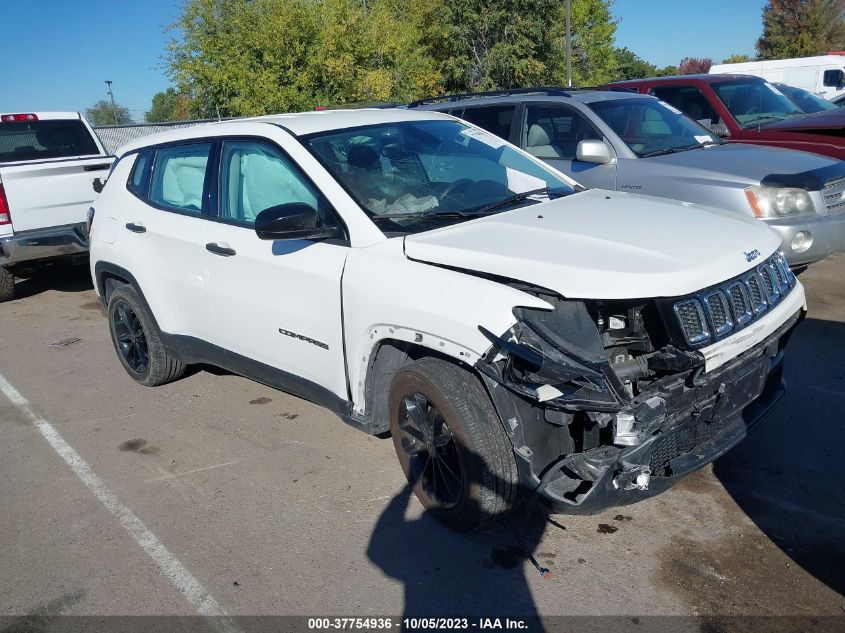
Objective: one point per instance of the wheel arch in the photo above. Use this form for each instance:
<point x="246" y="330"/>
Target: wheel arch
<point x="108" y="276"/>
<point x="387" y="357"/>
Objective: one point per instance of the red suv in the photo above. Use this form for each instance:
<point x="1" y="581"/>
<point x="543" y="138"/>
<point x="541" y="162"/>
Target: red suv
<point x="746" y="109"/>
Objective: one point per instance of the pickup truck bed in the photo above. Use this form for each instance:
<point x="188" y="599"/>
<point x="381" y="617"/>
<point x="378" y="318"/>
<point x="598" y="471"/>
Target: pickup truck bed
<point x="48" y="164"/>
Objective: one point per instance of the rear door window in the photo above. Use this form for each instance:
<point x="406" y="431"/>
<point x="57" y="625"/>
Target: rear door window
<point x="495" y="119"/>
<point x="35" y="140"/>
<point x="179" y="175"/>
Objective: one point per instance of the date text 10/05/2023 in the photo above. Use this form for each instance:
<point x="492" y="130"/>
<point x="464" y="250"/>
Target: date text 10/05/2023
<point x="415" y="624"/>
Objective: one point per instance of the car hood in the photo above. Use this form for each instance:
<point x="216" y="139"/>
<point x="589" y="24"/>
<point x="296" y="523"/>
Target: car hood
<point x="827" y="120"/>
<point x="743" y="162"/>
<point x="602" y="245"/>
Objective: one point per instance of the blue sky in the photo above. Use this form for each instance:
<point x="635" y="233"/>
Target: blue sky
<point x="60" y="60"/>
<point x="665" y="31"/>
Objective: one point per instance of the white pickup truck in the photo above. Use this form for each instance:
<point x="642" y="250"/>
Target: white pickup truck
<point x="48" y="164"/>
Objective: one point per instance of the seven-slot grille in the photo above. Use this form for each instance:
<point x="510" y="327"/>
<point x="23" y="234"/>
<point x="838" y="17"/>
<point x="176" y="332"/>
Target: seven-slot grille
<point x="718" y="312"/>
<point x="834" y="196"/>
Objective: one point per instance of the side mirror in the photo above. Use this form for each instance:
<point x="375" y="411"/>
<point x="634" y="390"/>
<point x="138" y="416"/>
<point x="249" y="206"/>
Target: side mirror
<point x="593" y="152"/>
<point x="292" y="221"/>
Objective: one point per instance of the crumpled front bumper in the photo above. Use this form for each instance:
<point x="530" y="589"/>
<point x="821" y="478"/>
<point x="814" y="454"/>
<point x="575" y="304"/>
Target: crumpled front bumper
<point x="43" y="244"/>
<point x="743" y="393"/>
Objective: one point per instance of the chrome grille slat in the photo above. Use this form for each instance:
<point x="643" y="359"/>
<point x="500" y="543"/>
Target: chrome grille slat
<point x="718" y="312"/>
<point x="691" y="317"/>
<point x="834" y="196"/>
<point x="772" y="290"/>
<point x="758" y="296"/>
<point x="716" y="305"/>
<point x="740" y="303"/>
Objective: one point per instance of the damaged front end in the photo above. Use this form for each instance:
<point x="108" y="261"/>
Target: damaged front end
<point x="607" y="404"/>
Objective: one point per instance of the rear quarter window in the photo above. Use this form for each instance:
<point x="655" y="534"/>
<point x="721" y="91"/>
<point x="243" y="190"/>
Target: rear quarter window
<point x="35" y="140"/>
<point x="138" y="177"/>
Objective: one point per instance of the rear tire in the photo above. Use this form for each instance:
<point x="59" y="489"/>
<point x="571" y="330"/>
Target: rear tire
<point x="136" y="340"/>
<point x="7" y="284"/>
<point x="451" y="444"/>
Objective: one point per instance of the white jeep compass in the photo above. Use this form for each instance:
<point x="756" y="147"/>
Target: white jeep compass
<point x="514" y="333"/>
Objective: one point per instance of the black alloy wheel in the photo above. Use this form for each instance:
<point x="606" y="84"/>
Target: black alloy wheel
<point x="130" y="337"/>
<point x="434" y="457"/>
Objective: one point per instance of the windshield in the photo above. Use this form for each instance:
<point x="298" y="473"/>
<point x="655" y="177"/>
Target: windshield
<point x="33" y="140"/>
<point x="650" y="127"/>
<point x="806" y="100"/>
<point x="755" y="102"/>
<point x="411" y="176"/>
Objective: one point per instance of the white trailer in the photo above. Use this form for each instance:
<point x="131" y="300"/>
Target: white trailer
<point x="823" y="74"/>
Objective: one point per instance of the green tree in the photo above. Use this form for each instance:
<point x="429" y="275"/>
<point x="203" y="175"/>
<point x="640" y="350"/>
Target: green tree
<point x="737" y="58"/>
<point x="168" y="105"/>
<point x="240" y="57"/>
<point x="498" y="44"/>
<point x="667" y="71"/>
<point x="102" y="113"/>
<point x="800" y="28"/>
<point x="250" y="57"/>
<point x="629" y="65"/>
<point x="369" y="51"/>
<point x="593" y="52"/>
<point x="508" y="43"/>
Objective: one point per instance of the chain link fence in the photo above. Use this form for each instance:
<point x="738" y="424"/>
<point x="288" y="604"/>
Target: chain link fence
<point x="113" y="136"/>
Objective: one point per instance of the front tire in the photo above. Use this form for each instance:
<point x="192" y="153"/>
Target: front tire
<point x="135" y="337"/>
<point x="7" y="284"/>
<point x="451" y="445"/>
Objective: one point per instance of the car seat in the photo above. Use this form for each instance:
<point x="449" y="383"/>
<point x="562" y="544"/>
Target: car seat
<point x="539" y="142"/>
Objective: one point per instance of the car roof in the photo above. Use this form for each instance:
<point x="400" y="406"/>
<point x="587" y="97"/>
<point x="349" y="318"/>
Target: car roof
<point x="298" y="124"/>
<point x="706" y="78"/>
<point x="581" y="96"/>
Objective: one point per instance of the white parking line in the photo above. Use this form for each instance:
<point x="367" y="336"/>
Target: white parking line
<point x="167" y="563"/>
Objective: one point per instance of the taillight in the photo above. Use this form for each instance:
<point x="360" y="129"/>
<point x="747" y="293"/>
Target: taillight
<point x="5" y="215"/>
<point x="6" y="118"/>
<point x="89" y="222"/>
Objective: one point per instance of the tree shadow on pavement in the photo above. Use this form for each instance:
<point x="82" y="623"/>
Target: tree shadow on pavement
<point x="788" y="475"/>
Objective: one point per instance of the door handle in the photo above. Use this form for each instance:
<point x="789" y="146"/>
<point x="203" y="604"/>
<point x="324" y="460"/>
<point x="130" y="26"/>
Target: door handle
<point x="136" y="228"/>
<point x="220" y="248"/>
<point x="100" y="167"/>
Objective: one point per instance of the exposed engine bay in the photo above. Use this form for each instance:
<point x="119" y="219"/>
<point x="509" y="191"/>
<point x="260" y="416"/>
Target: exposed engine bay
<point x="606" y="404"/>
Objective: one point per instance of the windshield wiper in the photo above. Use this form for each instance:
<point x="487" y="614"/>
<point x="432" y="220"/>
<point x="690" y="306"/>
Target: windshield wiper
<point x="421" y="214"/>
<point x="765" y="117"/>
<point x="517" y="197"/>
<point x="669" y="150"/>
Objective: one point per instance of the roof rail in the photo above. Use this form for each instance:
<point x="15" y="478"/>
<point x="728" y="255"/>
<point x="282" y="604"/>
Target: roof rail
<point x="552" y="91"/>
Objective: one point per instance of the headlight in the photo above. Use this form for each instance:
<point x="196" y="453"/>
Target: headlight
<point x="771" y="202"/>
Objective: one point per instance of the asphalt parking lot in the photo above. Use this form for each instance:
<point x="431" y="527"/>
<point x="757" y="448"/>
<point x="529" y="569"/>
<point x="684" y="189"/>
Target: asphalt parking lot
<point x="274" y="506"/>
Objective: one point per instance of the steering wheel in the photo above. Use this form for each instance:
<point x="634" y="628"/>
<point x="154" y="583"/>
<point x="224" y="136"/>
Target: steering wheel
<point x="461" y="183"/>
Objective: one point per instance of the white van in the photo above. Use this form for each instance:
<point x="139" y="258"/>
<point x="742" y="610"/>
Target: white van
<point x="824" y="74"/>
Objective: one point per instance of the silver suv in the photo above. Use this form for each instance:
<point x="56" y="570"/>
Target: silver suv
<point x="637" y="143"/>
